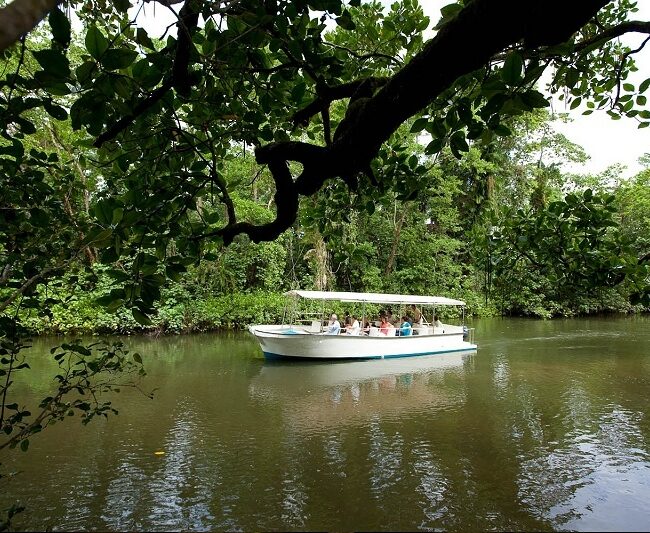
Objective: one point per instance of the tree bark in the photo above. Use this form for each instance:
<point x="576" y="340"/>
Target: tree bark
<point x="21" y="17"/>
<point x="393" y="250"/>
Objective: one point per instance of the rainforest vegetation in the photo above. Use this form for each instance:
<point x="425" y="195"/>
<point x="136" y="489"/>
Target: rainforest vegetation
<point x="182" y="181"/>
<point x="134" y="198"/>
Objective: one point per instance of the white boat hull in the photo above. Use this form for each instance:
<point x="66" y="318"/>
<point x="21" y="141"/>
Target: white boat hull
<point x="299" y="343"/>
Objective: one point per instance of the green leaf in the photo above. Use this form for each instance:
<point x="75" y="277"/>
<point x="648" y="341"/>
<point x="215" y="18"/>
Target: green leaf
<point x="534" y="99"/>
<point x="118" y="213"/>
<point x="143" y="39"/>
<point x="98" y="239"/>
<point x="644" y="85"/>
<point x="512" y="69"/>
<point x="458" y="144"/>
<point x="419" y="125"/>
<point x="26" y="126"/>
<point x="103" y="211"/>
<point x="298" y="92"/>
<point x="575" y="103"/>
<point x="434" y="146"/>
<point x="60" y="26"/>
<point x="345" y="21"/>
<point x="55" y="111"/>
<point x="122" y="5"/>
<point x="53" y="62"/>
<point x="118" y="58"/>
<point x="84" y="71"/>
<point x="114" y="305"/>
<point x="96" y="43"/>
<point x="572" y="77"/>
<point x="450" y="10"/>
<point x="140" y="317"/>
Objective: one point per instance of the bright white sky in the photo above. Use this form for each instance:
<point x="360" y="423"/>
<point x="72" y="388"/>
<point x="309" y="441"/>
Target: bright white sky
<point x="606" y="141"/>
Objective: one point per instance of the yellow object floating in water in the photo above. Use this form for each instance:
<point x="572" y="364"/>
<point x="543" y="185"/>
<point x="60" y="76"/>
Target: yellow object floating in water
<point x="159" y="453"/>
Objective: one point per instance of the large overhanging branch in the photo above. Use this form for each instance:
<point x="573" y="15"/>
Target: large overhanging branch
<point x="481" y="30"/>
<point x="286" y="201"/>
<point x="327" y="95"/>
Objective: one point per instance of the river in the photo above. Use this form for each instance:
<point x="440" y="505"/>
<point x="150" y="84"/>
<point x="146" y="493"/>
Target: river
<point x="546" y="427"/>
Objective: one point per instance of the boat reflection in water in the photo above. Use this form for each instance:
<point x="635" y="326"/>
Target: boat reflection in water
<point x="322" y="395"/>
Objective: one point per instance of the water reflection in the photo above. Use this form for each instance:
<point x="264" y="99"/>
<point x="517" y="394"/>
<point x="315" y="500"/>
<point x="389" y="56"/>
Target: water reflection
<point x="317" y="396"/>
<point x="538" y="430"/>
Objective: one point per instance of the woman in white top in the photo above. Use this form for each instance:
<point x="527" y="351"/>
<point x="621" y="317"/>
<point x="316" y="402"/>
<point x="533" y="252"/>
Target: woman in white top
<point x="353" y="328"/>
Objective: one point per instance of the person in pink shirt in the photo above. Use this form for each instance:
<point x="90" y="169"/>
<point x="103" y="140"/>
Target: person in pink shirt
<point x="384" y="326"/>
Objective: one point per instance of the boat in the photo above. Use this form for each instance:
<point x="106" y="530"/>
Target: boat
<point x="303" y="334"/>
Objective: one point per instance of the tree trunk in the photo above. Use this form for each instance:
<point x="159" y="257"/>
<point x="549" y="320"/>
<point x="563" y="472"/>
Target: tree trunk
<point x="393" y="250"/>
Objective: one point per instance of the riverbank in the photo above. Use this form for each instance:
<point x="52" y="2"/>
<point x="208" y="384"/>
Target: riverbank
<point x="181" y="313"/>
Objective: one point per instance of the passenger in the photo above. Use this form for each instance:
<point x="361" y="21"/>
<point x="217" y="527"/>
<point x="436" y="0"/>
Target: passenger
<point x="353" y="327"/>
<point x="391" y="319"/>
<point x="384" y="325"/>
<point x="436" y="322"/>
<point x="333" y="326"/>
<point x="366" y="327"/>
<point x="416" y="314"/>
<point x="406" y="329"/>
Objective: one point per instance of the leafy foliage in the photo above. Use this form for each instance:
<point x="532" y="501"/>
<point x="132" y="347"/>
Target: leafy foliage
<point x="180" y="182"/>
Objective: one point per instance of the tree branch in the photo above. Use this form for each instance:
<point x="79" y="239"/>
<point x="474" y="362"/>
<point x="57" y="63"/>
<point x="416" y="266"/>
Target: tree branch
<point x="180" y="80"/>
<point x="286" y="202"/>
<point x="20" y="17"/>
<point x="632" y="26"/>
<point x="138" y="110"/>
<point x="327" y="95"/>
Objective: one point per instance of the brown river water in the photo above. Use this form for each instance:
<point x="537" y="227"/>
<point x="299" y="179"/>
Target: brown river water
<point x="546" y="427"/>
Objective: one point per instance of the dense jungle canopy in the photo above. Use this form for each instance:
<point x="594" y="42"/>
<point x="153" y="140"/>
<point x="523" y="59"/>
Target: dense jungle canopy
<point x="127" y="160"/>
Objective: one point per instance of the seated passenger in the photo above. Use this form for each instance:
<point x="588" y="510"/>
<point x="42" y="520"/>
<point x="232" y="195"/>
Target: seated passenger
<point x="415" y="314"/>
<point x="406" y="329"/>
<point x="384" y="325"/>
<point x="333" y="326"/>
<point x="436" y="322"/>
<point x="353" y="327"/>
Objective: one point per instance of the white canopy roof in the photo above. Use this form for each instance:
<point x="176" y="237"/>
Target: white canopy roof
<point x="374" y="298"/>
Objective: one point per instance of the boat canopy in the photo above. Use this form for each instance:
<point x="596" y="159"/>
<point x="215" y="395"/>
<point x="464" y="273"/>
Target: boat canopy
<point x="377" y="298"/>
